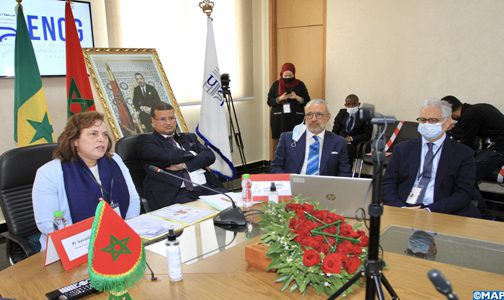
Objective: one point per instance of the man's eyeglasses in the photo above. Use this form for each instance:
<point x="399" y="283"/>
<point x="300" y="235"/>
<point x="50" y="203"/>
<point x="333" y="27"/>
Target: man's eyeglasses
<point x="428" y="120"/>
<point x="165" y="119"/>
<point x="318" y="115"/>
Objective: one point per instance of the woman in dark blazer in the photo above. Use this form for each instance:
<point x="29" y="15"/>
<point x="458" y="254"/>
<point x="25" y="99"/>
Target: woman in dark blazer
<point x="287" y="98"/>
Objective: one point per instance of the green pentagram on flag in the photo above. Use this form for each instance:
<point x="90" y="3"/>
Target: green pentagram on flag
<point x="117" y="247"/>
<point x="43" y="130"/>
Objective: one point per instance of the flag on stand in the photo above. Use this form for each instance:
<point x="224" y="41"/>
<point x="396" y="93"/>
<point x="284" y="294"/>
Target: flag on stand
<point x="32" y="124"/>
<point x="125" y="119"/>
<point x="79" y="94"/>
<point x="212" y="127"/>
<point x="116" y="256"/>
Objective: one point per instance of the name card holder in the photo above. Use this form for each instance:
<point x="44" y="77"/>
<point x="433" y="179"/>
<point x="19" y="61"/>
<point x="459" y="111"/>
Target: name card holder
<point x="70" y="244"/>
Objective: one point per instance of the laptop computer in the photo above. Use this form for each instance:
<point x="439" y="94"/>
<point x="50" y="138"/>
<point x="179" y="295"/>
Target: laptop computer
<point x="345" y="195"/>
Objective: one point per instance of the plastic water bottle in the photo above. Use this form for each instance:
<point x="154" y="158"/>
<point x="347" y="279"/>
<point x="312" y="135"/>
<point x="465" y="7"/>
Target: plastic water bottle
<point x="173" y="257"/>
<point x="59" y="222"/>
<point x="246" y="190"/>
<point x="273" y="194"/>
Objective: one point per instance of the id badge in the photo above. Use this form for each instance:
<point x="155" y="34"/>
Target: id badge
<point x="115" y="207"/>
<point x="414" y="194"/>
<point x="286" y="108"/>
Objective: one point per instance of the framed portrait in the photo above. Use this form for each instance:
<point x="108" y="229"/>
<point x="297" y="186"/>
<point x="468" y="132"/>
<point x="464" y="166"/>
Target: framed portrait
<point x="129" y="82"/>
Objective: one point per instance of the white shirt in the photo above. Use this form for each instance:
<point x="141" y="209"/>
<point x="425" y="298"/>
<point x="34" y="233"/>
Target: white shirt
<point x="309" y="141"/>
<point x="436" y="150"/>
<point x="197" y="176"/>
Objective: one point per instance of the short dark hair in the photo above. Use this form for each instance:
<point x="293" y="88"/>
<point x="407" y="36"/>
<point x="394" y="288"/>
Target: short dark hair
<point x="160" y="106"/>
<point x="138" y="74"/>
<point x="455" y="103"/>
<point x="352" y="97"/>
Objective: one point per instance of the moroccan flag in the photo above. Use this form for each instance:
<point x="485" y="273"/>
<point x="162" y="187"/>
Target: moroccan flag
<point x="125" y="119"/>
<point x="212" y="127"/>
<point x="79" y="95"/>
<point x="32" y="124"/>
<point x="116" y="257"/>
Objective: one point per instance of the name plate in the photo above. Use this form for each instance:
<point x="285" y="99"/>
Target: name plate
<point x="70" y="245"/>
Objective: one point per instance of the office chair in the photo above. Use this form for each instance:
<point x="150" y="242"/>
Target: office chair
<point x="126" y="149"/>
<point x="18" y="167"/>
<point x="404" y="130"/>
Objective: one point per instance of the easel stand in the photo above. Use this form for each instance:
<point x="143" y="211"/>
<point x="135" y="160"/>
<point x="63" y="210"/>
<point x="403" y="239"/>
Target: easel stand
<point x="233" y="119"/>
<point x="373" y="266"/>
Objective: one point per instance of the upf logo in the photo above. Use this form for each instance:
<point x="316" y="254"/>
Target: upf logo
<point x="488" y="295"/>
<point x="212" y="86"/>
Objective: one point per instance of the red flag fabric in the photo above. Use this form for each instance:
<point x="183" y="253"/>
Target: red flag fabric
<point x="79" y="94"/>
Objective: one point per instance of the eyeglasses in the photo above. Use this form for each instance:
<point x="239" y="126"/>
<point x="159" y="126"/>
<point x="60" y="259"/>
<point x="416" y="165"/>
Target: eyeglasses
<point x="165" y="119"/>
<point x="428" y="120"/>
<point x="318" y="115"/>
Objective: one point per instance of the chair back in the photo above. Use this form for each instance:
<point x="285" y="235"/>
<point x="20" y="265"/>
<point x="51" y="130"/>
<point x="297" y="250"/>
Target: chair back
<point x="408" y="131"/>
<point x="18" y="168"/>
<point x="126" y="149"/>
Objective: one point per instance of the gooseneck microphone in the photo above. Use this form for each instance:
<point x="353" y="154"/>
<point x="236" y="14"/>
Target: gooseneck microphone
<point x="230" y="217"/>
<point x="152" y="277"/>
<point x="442" y="285"/>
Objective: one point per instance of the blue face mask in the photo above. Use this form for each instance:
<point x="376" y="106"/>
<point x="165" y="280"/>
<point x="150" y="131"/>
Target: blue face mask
<point x="430" y="131"/>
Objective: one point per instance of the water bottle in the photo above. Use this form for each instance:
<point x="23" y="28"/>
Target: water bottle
<point x="59" y="222"/>
<point x="247" y="190"/>
<point x="273" y="194"/>
<point x="173" y="257"/>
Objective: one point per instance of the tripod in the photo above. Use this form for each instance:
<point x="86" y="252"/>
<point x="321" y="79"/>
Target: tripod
<point x="373" y="266"/>
<point x="235" y="132"/>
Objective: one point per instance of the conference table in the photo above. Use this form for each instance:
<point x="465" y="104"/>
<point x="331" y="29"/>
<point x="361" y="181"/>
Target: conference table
<point x="220" y="271"/>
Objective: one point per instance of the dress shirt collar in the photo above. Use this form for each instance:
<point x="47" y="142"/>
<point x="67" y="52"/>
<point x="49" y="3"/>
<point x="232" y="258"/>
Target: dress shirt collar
<point x="309" y="137"/>
<point x="437" y="143"/>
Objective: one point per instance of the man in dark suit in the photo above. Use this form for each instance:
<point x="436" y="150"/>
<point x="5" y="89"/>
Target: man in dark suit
<point x="179" y="154"/>
<point x="315" y="151"/>
<point x="433" y="172"/>
<point x="480" y="122"/>
<point x="349" y="125"/>
<point x="144" y="97"/>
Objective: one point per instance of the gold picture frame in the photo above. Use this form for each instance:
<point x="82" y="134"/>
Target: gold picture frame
<point x="117" y="75"/>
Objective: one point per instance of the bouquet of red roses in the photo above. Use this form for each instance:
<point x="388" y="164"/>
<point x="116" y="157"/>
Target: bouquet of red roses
<point x="311" y="247"/>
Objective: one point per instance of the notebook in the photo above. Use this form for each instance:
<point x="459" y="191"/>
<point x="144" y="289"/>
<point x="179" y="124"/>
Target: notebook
<point x="346" y="195"/>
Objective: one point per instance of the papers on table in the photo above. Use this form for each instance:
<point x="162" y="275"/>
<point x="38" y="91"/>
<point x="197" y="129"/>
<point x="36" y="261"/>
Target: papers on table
<point x="184" y="213"/>
<point x="221" y="202"/>
<point x="151" y="227"/>
<point x="262" y="188"/>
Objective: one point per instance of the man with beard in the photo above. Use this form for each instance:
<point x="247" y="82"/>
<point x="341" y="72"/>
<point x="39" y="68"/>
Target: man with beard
<point x="310" y="149"/>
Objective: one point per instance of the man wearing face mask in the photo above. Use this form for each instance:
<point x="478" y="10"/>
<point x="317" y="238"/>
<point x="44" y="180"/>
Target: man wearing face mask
<point x="287" y="98"/>
<point x="350" y="126"/>
<point x="433" y="172"/>
<point x="312" y="150"/>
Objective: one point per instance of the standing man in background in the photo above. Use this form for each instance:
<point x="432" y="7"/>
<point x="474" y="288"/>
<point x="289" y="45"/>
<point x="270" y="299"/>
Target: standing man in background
<point x="145" y="97"/>
<point x="350" y="126"/>
<point x="312" y="150"/>
<point x="480" y="124"/>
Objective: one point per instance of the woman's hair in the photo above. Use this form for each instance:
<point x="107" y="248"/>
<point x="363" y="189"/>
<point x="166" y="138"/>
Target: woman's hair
<point x="66" y="150"/>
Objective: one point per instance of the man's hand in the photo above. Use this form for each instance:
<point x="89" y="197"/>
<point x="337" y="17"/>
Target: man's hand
<point x="349" y="139"/>
<point x="177" y="167"/>
<point x="413" y="207"/>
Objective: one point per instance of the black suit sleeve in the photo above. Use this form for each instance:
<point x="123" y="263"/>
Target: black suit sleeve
<point x="278" y="163"/>
<point x="273" y="94"/>
<point x="393" y="178"/>
<point x="151" y="151"/>
<point x="204" y="156"/>
<point x="364" y="132"/>
<point x="338" y="121"/>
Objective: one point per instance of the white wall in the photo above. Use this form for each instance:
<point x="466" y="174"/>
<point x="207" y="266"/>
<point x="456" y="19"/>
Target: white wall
<point x="396" y="53"/>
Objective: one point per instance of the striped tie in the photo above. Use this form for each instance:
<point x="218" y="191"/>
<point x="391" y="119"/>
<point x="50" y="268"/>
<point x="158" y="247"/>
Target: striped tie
<point x="312" y="168"/>
<point x="426" y="173"/>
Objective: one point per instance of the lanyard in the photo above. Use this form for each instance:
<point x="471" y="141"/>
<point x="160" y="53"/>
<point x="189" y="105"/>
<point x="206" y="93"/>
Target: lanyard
<point x="419" y="176"/>
<point x="103" y="192"/>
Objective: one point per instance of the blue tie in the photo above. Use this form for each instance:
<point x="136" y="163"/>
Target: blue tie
<point x="350" y="124"/>
<point x="312" y="168"/>
<point x="426" y="173"/>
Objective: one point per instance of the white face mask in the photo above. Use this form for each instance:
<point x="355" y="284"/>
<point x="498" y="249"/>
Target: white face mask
<point x="430" y="131"/>
<point x="352" y="110"/>
<point x="298" y="131"/>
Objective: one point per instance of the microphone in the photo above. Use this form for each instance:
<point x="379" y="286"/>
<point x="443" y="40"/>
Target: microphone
<point x="442" y="285"/>
<point x="152" y="277"/>
<point x="229" y="218"/>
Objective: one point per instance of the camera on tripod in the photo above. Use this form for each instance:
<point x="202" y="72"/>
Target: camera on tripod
<point x="225" y="81"/>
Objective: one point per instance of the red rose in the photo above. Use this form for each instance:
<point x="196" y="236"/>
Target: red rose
<point x="293" y="206"/>
<point x="311" y="258"/>
<point x="348" y="248"/>
<point x="324" y="248"/>
<point x="320" y="214"/>
<point x="293" y="223"/>
<point x="346" y="230"/>
<point x="363" y="238"/>
<point x="332" y="217"/>
<point x="332" y="263"/>
<point x="307" y="225"/>
<point x="331" y="230"/>
<point x="351" y="264"/>
<point x="310" y="242"/>
<point x="307" y="207"/>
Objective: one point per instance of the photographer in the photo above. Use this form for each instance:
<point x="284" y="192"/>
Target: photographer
<point x="287" y="98"/>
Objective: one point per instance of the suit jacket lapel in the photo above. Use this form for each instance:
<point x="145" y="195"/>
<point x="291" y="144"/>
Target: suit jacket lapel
<point x="300" y="150"/>
<point x="444" y="163"/>
<point x="327" y="148"/>
<point x="414" y="157"/>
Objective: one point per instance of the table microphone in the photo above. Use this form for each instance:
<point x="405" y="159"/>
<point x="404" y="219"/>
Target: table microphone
<point x="230" y="217"/>
<point x="442" y="285"/>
